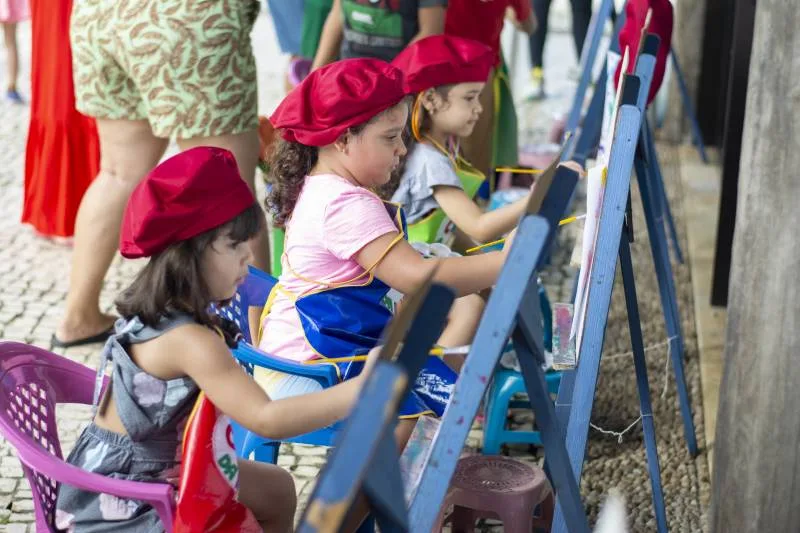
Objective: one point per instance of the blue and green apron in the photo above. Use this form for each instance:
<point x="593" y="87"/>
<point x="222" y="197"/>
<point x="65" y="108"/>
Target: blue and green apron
<point x="435" y="226"/>
<point x="342" y="322"/>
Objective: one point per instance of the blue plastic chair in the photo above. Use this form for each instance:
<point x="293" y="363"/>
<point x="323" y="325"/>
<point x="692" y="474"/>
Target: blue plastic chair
<point x="254" y="292"/>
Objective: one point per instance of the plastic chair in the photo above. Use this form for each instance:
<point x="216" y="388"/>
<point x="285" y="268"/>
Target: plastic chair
<point x="254" y="292"/>
<point x="506" y="383"/>
<point x="32" y="382"/>
<point x="498" y="487"/>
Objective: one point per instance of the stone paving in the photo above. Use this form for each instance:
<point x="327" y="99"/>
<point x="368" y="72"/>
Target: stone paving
<point x="34" y="270"/>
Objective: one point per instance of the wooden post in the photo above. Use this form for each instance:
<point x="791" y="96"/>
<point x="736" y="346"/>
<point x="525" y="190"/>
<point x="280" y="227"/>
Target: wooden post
<point x="757" y="454"/>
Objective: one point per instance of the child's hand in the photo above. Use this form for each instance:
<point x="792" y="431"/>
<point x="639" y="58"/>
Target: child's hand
<point x="574" y="165"/>
<point x="509" y="240"/>
<point x="369" y="364"/>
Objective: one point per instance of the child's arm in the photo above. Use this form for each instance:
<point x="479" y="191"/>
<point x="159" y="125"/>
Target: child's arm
<point x="430" y="20"/>
<point x="205" y="358"/>
<point x="331" y="39"/>
<point x="471" y="219"/>
<point x="404" y="269"/>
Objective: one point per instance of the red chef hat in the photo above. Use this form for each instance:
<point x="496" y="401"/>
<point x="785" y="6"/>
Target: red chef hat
<point x="630" y="34"/>
<point x="186" y="195"/>
<point x="337" y="97"/>
<point x="444" y="60"/>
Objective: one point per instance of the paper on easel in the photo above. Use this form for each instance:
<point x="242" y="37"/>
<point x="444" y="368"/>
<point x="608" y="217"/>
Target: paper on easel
<point x="603" y="148"/>
<point x="595" y="190"/>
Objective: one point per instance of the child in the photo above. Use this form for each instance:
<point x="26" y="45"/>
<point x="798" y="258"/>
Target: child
<point x="341" y="136"/>
<point x="11" y="13"/>
<point x="448" y="74"/>
<point x="193" y="216"/>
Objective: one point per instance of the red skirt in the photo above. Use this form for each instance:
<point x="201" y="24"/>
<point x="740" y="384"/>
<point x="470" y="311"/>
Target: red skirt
<point x="63" y="152"/>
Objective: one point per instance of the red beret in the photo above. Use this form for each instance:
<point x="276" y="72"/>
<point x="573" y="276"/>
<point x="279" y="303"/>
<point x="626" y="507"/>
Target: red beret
<point x="444" y="60"/>
<point x="630" y="34"/>
<point x="186" y="195"/>
<point x="337" y="97"/>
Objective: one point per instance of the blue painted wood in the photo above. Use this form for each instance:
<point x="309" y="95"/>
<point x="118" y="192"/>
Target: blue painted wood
<point x="601" y="282"/>
<point x="490" y="339"/>
<point x="552" y="434"/>
<point x="588" y="56"/>
<point x="383" y="483"/>
<point x="688" y="107"/>
<point x="666" y="288"/>
<point x="648" y="173"/>
<point x="662" y="194"/>
<point x="586" y="145"/>
<point x="640" y="364"/>
<point x="342" y="476"/>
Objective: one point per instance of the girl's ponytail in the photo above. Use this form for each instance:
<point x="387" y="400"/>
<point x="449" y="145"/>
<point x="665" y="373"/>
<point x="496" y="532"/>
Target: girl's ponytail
<point x="290" y="164"/>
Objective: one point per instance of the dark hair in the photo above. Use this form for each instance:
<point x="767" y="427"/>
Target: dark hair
<point x="387" y="190"/>
<point x="172" y="280"/>
<point x="290" y="164"/>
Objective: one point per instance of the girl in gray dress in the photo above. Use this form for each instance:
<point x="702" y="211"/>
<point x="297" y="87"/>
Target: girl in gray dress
<point x="193" y="217"/>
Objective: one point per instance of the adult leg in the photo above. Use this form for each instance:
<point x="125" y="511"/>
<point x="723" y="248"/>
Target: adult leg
<point x="268" y="491"/>
<point x="581" y="17"/>
<point x="128" y="151"/>
<point x="245" y="148"/>
<point x="12" y="55"/>
<point x="541" y="8"/>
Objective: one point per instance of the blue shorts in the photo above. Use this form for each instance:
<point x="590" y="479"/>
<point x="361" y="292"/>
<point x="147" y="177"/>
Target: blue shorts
<point x="287" y="18"/>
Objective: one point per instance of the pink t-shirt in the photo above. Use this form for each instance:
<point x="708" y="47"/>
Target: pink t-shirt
<point x="331" y="222"/>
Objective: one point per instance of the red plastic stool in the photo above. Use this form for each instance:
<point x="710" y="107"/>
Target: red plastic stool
<point x="498" y="487"/>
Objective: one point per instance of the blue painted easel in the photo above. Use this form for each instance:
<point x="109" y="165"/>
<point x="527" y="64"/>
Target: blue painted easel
<point x="512" y="311"/>
<point x="648" y="174"/>
<point x="575" y="399"/>
<point x="365" y="457"/>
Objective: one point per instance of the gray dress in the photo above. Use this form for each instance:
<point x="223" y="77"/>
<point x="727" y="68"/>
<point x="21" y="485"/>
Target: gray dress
<point x="154" y="413"/>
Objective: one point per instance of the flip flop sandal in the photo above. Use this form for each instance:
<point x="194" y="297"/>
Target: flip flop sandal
<point x="55" y="342"/>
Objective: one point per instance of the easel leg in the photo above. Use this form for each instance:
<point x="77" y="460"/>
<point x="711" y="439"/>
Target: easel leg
<point x="668" y="295"/>
<point x="652" y="158"/>
<point x="689" y="108"/>
<point x="648" y="426"/>
<point x="564" y="482"/>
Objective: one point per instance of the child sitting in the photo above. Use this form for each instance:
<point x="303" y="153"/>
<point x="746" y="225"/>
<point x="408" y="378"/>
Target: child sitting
<point x="341" y="137"/>
<point x="193" y="216"/>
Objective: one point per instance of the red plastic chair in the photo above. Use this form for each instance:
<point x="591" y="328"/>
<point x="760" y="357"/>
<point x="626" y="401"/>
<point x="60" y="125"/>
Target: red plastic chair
<point x="32" y="382"/>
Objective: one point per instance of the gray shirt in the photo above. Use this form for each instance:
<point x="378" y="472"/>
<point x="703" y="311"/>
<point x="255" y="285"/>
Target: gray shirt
<point x="426" y="168"/>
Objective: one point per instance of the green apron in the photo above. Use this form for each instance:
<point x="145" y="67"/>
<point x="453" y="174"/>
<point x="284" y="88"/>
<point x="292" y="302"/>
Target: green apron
<point x="505" y="149"/>
<point x="436" y="227"/>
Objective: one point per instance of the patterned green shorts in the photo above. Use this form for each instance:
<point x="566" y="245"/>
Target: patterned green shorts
<point x="186" y="66"/>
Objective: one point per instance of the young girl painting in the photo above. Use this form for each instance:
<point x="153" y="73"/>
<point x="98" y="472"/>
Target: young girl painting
<point x="192" y="216"/>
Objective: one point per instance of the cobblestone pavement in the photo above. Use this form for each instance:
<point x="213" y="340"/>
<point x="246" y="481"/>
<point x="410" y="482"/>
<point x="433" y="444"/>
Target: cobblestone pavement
<point x="34" y="270"/>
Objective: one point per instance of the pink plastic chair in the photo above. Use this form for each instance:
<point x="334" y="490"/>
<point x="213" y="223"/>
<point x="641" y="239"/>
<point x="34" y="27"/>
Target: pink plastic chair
<point x="32" y="382"/>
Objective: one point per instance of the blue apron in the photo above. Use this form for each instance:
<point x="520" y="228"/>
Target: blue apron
<point x="343" y="322"/>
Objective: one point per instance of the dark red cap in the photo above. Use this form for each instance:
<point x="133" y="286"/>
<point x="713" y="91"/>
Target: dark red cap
<point x="444" y="60"/>
<point x="186" y="195"/>
<point x="337" y="97"/>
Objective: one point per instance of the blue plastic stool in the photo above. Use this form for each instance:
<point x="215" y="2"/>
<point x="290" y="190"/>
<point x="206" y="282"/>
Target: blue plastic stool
<point x="506" y="384"/>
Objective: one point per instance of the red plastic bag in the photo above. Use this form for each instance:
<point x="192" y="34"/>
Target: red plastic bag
<point x="210" y="476"/>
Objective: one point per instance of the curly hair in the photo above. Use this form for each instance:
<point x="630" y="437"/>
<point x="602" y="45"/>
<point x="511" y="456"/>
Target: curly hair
<point x="289" y="165"/>
<point x="387" y="190"/>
